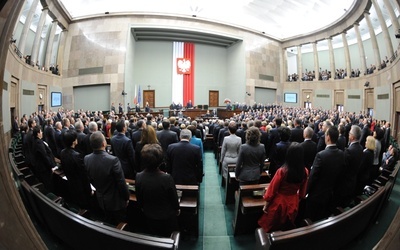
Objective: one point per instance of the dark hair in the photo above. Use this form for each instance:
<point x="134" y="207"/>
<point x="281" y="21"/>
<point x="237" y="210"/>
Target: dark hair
<point x="253" y="136"/>
<point x="285" y="133"/>
<point x="30" y="122"/>
<point x="36" y="130"/>
<point x="232" y="128"/>
<point x="152" y="156"/>
<point x="295" y="163"/>
<point x="278" y="121"/>
<point x="120" y="125"/>
<point x="165" y="124"/>
<point x="192" y="129"/>
<point x="379" y="133"/>
<point x="68" y="137"/>
<point x="333" y="133"/>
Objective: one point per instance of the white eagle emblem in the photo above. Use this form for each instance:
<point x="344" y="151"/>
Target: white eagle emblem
<point x="184" y="66"/>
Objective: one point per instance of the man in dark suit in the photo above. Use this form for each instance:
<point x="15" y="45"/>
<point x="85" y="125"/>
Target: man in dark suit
<point x="348" y="178"/>
<point x="241" y="132"/>
<point x="173" y="127"/>
<point x="166" y="137"/>
<point x="309" y="147"/>
<point x="80" y="136"/>
<point x="120" y="108"/>
<point x="137" y="135"/>
<point x="57" y="134"/>
<point x="184" y="160"/>
<point x="106" y="175"/>
<point x="86" y="147"/>
<point x="273" y="137"/>
<point x="49" y="135"/>
<point x="365" y="132"/>
<point x="386" y="137"/>
<point x="122" y="147"/>
<point x="28" y="141"/>
<point x="327" y="167"/>
<point x="222" y="133"/>
<point x="297" y="132"/>
<point x="321" y="142"/>
<point x="278" y="155"/>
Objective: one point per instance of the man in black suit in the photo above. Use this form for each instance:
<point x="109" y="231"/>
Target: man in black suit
<point x="173" y="125"/>
<point x="122" y="147"/>
<point x="327" y="167"/>
<point x="86" y="147"/>
<point x="106" y="175"/>
<point x="137" y="107"/>
<point x="348" y="178"/>
<point x="366" y="131"/>
<point x="241" y="132"/>
<point x="297" y="132"/>
<point x="137" y="135"/>
<point x="321" y="141"/>
<point x="274" y="137"/>
<point x="80" y="136"/>
<point x="166" y="137"/>
<point x="386" y="137"/>
<point x="49" y="135"/>
<point x="28" y="140"/>
<point x="57" y="134"/>
<point x="184" y="160"/>
<point x="222" y="133"/>
<point x="309" y="147"/>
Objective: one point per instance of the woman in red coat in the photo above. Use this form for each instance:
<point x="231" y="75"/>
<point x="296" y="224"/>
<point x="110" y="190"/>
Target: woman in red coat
<point x="283" y="194"/>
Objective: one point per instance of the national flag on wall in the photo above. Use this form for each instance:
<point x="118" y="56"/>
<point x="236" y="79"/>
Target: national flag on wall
<point x="183" y="73"/>
<point x="139" y="99"/>
<point x="135" y="98"/>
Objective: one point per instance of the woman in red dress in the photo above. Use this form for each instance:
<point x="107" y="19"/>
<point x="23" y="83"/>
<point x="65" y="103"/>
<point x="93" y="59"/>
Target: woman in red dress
<point x="283" y="194"/>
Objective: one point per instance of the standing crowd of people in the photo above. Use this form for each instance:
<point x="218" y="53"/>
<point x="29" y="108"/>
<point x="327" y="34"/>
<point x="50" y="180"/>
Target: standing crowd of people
<point x="319" y="158"/>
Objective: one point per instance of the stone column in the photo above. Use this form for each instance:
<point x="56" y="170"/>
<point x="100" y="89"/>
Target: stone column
<point x="61" y="48"/>
<point x="346" y="55"/>
<point x="331" y="59"/>
<point x="385" y="31"/>
<point x="49" y="48"/>
<point x="27" y="25"/>
<point x="39" y="29"/>
<point x="299" y="63"/>
<point x="393" y="17"/>
<point x="374" y="42"/>
<point x="361" y="50"/>
<point x="284" y="65"/>
<point x="316" y="62"/>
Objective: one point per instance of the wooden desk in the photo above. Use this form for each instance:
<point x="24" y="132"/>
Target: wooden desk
<point x="248" y="207"/>
<point x="192" y="113"/>
<point x="226" y="114"/>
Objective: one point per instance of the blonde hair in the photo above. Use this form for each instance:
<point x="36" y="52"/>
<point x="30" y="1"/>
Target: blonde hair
<point x="370" y="143"/>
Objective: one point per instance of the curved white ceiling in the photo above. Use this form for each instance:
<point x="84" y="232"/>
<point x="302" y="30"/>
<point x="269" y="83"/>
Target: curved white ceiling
<point x="277" y="18"/>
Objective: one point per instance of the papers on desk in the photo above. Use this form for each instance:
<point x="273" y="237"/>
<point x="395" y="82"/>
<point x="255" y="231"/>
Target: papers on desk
<point x="92" y="187"/>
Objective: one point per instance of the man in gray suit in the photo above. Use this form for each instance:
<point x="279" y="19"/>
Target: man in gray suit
<point x="106" y="175"/>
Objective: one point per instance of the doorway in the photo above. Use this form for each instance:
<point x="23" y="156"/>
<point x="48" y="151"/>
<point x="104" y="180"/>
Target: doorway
<point x="213" y="98"/>
<point x="149" y="96"/>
